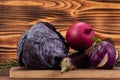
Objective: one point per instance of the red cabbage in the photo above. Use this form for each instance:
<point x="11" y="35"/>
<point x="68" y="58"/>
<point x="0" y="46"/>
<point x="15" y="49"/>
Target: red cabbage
<point x="41" y="47"/>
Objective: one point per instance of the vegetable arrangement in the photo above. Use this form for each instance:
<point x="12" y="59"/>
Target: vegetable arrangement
<point x="42" y="47"/>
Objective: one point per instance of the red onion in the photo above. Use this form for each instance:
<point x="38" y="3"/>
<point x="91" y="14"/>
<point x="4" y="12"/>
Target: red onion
<point x="79" y="36"/>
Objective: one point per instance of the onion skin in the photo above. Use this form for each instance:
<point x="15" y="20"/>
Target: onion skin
<point x="104" y="52"/>
<point x="79" y="36"/>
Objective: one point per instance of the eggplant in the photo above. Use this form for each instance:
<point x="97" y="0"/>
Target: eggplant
<point x="41" y="47"/>
<point x="74" y="61"/>
<point x="103" y="55"/>
<point x="109" y="40"/>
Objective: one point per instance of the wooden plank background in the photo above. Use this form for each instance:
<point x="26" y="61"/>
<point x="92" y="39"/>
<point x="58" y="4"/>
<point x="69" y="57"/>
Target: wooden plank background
<point x="16" y="16"/>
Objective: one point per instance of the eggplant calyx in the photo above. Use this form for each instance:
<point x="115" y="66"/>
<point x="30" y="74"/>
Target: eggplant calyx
<point x="66" y="65"/>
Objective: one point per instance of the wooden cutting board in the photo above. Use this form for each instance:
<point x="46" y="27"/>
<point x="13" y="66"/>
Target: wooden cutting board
<point x="19" y="72"/>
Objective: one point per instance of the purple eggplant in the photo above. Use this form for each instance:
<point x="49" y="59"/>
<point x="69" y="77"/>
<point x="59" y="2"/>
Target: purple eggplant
<point x="103" y="55"/>
<point x="74" y="61"/>
<point x="109" y="40"/>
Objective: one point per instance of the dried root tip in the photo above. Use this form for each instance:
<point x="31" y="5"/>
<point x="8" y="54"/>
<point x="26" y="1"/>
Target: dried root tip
<point x="64" y="69"/>
<point x="66" y="65"/>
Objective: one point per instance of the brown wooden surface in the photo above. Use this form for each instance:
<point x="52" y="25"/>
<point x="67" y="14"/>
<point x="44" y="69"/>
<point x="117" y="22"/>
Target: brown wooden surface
<point x="19" y="72"/>
<point x="4" y="75"/>
<point x="16" y="16"/>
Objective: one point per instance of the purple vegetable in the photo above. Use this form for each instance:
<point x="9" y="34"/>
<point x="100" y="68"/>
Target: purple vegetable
<point x="109" y="40"/>
<point x="41" y="47"/>
<point x="73" y="61"/>
<point x="79" y="36"/>
<point x="103" y="55"/>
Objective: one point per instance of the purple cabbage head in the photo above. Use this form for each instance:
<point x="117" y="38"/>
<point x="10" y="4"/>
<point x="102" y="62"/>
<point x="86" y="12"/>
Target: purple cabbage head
<point x="41" y="47"/>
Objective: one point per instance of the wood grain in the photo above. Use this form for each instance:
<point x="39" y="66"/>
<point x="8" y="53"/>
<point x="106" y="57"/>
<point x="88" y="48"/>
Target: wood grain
<point x="16" y="16"/>
<point x="18" y="72"/>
